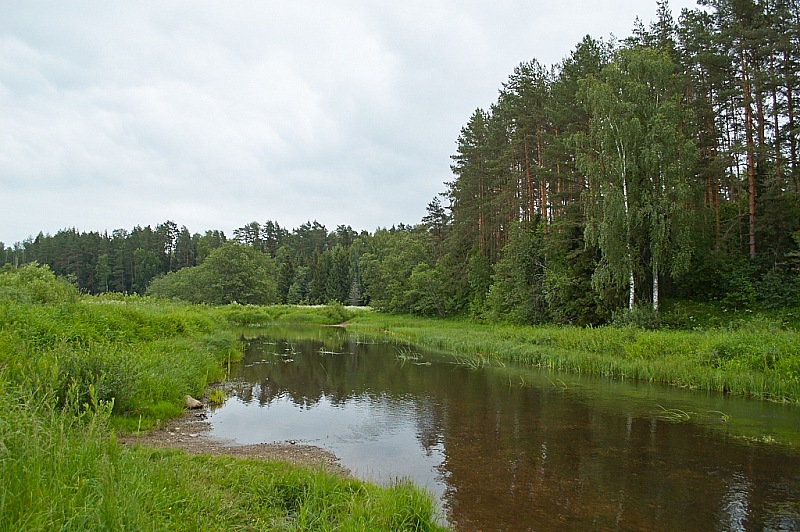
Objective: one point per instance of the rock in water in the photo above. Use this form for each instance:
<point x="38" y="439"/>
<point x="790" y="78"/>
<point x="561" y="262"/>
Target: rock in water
<point x="191" y="402"/>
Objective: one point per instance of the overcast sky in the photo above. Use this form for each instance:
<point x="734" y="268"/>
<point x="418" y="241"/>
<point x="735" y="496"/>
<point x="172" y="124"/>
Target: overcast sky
<point x="216" y="114"/>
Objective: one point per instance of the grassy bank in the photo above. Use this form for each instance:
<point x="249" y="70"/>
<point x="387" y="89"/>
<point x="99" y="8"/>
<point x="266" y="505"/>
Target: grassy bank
<point x="63" y="471"/>
<point x="75" y="368"/>
<point x="254" y="316"/>
<point x="756" y="357"/>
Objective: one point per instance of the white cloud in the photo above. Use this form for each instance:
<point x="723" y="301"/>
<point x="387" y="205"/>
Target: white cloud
<point x="217" y="114"/>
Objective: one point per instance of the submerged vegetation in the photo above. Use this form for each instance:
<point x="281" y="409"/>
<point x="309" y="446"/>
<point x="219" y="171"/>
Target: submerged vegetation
<point x="74" y="368"/>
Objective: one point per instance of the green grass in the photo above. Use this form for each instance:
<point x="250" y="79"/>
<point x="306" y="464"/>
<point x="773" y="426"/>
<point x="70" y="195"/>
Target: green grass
<point x="137" y="352"/>
<point x="693" y="315"/>
<point x="757" y="358"/>
<point x="62" y="470"/>
<point x="254" y="316"/>
<point x="73" y="368"/>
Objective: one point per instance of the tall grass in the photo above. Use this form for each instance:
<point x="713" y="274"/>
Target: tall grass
<point x="62" y="470"/>
<point x="142" y="354"/>
<point x="751" y="358"/>
<point x="72" y="367"/>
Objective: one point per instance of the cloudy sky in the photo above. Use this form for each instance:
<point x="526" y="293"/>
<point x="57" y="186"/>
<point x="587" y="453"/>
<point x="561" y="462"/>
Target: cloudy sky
<point x="216" y="114"/>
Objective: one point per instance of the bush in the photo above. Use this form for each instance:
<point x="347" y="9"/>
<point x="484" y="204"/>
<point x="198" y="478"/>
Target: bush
<point x="34" y="284"/>
<point x="741" y="292"/>
<point x="778" y="289"/>
<point x="231" y="273"/>
<point x="641" y="317"/>
<point x="338" y="313"/>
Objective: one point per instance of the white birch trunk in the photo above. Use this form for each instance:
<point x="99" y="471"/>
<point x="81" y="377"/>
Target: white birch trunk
<point x="631" y="283"/>
<point x="655" y="286"/>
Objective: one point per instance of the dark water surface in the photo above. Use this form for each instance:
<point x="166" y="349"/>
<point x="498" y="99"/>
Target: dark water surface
<point x="511" y="448"/>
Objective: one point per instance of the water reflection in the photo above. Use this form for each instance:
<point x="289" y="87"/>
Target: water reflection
<point x="505" y="449"/>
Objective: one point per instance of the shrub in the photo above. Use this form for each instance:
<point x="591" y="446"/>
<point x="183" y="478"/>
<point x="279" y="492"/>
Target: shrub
<point x="640" y="316"/>
<point x="34" y="284"/>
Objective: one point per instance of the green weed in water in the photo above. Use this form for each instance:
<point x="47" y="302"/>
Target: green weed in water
<point x="216" y="396"/>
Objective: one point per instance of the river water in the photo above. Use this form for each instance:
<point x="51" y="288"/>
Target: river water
<point x="513" y="448"/>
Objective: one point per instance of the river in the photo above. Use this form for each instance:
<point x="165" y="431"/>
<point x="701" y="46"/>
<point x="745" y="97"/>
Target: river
<point x="503" y="447"/>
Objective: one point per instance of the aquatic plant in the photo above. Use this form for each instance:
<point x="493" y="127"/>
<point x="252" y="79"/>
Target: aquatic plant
<point x="406" y="353"/>
<point x="216" y="396"/>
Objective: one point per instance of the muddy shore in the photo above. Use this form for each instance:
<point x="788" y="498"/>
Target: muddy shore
<point x="191" y="433"/>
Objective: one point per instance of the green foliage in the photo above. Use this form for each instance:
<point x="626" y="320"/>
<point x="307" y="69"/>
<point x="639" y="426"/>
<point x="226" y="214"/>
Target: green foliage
<point x="232" y="272"/>
<point x="34" y="284"/>
<point x="338" y="281"/>
<point x="58" y="467"/>
<point x="517" y="294"/>
<point x="238" y="273"/>
<point x="640" y="316"/>
<point x="741" y="291"/>
<point x="298" y="290"/>
<point x="189" y="284"/>
<point x="749" y="357"/>
<point x="424" y="295"/>
<point x="642" y="158"/>
<point x="479" y="278"/>
<point x="568" y="289"/>
<point x="255" y="316"/>
<point x="778" y="289"/>
<point x="216" y="396"/>
<point x="124" y="351"/>
<point x="387" y="268"/>
<point x="337" y="312"/>
<point x="147" y="266"/>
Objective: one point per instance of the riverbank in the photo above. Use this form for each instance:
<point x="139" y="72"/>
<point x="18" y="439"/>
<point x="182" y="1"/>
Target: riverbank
<point x="76" y="370"/>
<point x="752" y="356"/>
<point x="701" y="346"/>
<point x="190" y="433"/>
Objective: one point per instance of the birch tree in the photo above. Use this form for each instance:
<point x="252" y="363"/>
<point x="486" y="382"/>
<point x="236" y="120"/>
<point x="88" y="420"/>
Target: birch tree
<point x="640" y="159"/>
<point x="609" y="158"/>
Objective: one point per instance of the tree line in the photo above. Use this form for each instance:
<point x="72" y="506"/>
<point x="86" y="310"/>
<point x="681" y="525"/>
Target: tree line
<point x="662" y="165"/>
<point x="665" y="164"/>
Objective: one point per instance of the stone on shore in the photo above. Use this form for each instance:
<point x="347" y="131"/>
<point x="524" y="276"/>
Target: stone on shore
<point x="191" y="402"/>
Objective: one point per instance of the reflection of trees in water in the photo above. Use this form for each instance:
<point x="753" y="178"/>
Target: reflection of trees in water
<point x="337" y="371"/>
<point x="523" y="456"/>
<point x="430" y="419"/>
<point x="547" y="461"/>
